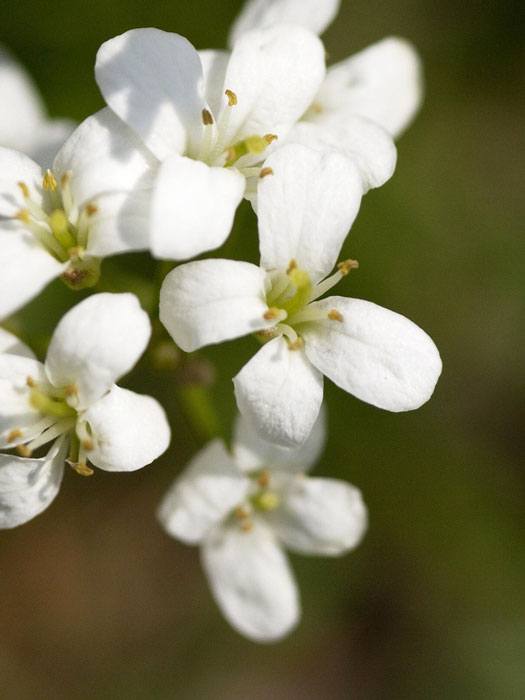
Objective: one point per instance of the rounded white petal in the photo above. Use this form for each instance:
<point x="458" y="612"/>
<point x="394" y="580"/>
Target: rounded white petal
<point x="315" y="15"/>
<point x="28" y="486"/>
<point x="16" y="412"/>
<point x="209" y="301"/>
<point x="129" y="430"/>
<point x="48" y="138"/>
<point x="251" y="581"/>
<point x="373" y="353"/>
<point x="306" y="208"/>
<point x="95" y="343"/>
<point x="280" y="393"/>
<point x="275" y="74"/>
<point x="15" y="167"/>
<point x="319" y="516"/>
<point x="366" y="144"/>
<point x="252" y="452"/>
<point x="22" y="109"/>
<point x="12" y="345"/>
<point x="193" y="207"/>
<point x="208" y="489"/>
<point x="383" y="83"/>
<point x="153" y="81"/>
<point x="214" y="67"/>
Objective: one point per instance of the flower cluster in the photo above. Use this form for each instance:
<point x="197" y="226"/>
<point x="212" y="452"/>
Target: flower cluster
<point x="185" y="136"/>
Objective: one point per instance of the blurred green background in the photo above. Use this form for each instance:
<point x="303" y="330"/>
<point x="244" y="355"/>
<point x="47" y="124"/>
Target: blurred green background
<point x="97" y="602"/>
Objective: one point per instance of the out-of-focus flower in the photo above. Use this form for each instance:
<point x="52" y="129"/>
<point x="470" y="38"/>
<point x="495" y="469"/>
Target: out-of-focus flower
<point x="61" y="221"/>
<point x="209" y="118"/>
<point x="305" y="209"/>
<point x="24" y="124"/>
<point x="382" y="83"/>
<point x="73" y="402"/>
<point x="244" y="507"/>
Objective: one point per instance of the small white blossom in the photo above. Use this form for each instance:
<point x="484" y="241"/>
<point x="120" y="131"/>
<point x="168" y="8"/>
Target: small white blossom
<point x="244" y="507"/>
<point x="73" y="402"/>
<point x="305" y="209"/>
<point x="210" y="118"/>
<point x="61" y="221"/>
<point x="24" y="125"/>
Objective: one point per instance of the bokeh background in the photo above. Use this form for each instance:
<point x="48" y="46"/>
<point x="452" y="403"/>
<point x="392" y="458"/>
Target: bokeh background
<point x="97" y="602"/>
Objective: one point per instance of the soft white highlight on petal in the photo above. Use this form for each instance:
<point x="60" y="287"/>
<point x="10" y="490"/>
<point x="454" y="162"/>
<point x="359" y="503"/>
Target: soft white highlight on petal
<point x="366" y="144"/>
<point x="16" y="412"/>
<point x="193" y="207"/>
<point x="97" y="342"/>
<point x="251" y="581"/>
<point x="209" y="488"/>
<point x="280" y="393"/>
<point x="378" y="355"/>
<point x="306" y="208"/>
<point x="129" y="430"/>
<point x="12" y="345"/>
<point x="275" y="74"/>
<point x="252" y="452"/>
<point x="28" y="486"/>
<point x="153" y="81"/>
<point x="48" y="139"/>
<point x="214" y="67"/>
<point x="383" y="83"/>
<point x="209" y="301"/>
<point x="315" y="15"/>
<point x="319" y="516"/>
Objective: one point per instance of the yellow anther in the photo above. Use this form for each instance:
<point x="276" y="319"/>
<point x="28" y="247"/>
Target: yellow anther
<point x="87" y="445"/>
<point x="246" y="525"/>
<point x="232" y="98"/>
<point x="71" y="390"/>
<point x="272" y="313"/>
<point x="64" y="180"/>
<point x="270" y="138"/>
<point x="347" y="265"/>
<point x="317" y="107"/>
<point x="23" y="216"/>
<point x="81" y="468"/>
<point x="241" y="513"/>
<point x="256" y="144"/>
<point x="296" y="344"/>
<point x="292" y="265"/>
<point x="24" y="188"/>
<point x="264" y="479"/>
<point x="24" y="451"/>
<point x="265" y="172"/>
<point x="30" y="382"/>
<point x="207" y="117"/>
<point x="49" y="182"/>
<point x="14" y="435"/>
<point x="335" y="315"/>
<point x="91" y="209"/>
<point x="76" y="252"/>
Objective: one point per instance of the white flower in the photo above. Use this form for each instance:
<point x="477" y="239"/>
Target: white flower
<point x="305" y="209"/>
<point x="72" y="401"/>
<point x="379" y="86"/>
<point x="209" y="118"/>
<point x="24" y="125"/>
<point x="59" y="222"/>
<point x="243" y="507"/>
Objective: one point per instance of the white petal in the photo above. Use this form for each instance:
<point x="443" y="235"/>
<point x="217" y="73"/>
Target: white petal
<point x="153" y="81"/>
<point x="48" y="138"/>
<point x="104" y="156"/>
<point x="214" y="66"/>
<point x="15" y="167"/>
<point x="280" y="393"/>
<point x="16" y="413"/>
<point x="378" y="355"/>
<point x="12" y="345"/>
<point x="22" y="109"/>
<point x="366" y="144"/>
<point x="193" y="207"/>
<point x="252" y="452"/>
<point x="209" y="488"/>
<point x="275" y="74"/>
<point x="96" y="342"/>
<point x="319" y="516"/>
<point x="306" y="208"/>
<point x="251" y="582"/>
<point x="129" y="430"/>
<point x="28" y="486"/>
<point x="383" y="83"/>
<point x="315" y="15"/>
<point x="209" y="301"/>
<point x="26" y="269"/>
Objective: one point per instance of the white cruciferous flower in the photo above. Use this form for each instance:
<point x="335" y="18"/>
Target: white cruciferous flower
<point x="210" y="118"/>
<point x="243" y="508"/>
<point x="381" y="83"/>
<point x="305" y="209"/>
<point x="60" y="222"/>
<point x="72" y="401"/>
<point x="24" y="125"/>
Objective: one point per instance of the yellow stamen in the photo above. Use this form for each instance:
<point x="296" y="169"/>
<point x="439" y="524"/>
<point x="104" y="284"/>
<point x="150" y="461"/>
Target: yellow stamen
<point x="23" y="216"/>
<point x="270" y="138"/>
<point x="64" y="180"/>
<point x="14" y="435"/>
<point x="347" y="265"/>
<point x="81" y="468"/>
<point x="272" y="313"/>
<point x="207" y="117"/>
<point x="265" y="172"/>
<point x="241" y="513"/>
<point x="87" y="445"/>
<point x="335" y="315"/>
<point x="23" y="451"/>
<point x="91" y="209"/>
<point x="292" y="265"/>
<point x="232" y="98"/>
<point x="30" y="382"/>
<point x="24" y="188"/>
<point x="246" y="525"/>
<point x="49" y="182"/>
<point x="296" y="344"/>
<point x="264" y="478"/>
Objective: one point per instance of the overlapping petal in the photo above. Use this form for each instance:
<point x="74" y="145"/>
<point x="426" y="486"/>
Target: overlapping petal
<point x="47" y="140"/>
<point x="373" y="353"/>
<point x="12" y="345"/>
<point x="97" y="342"/>
<point x="251" y="581"/>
